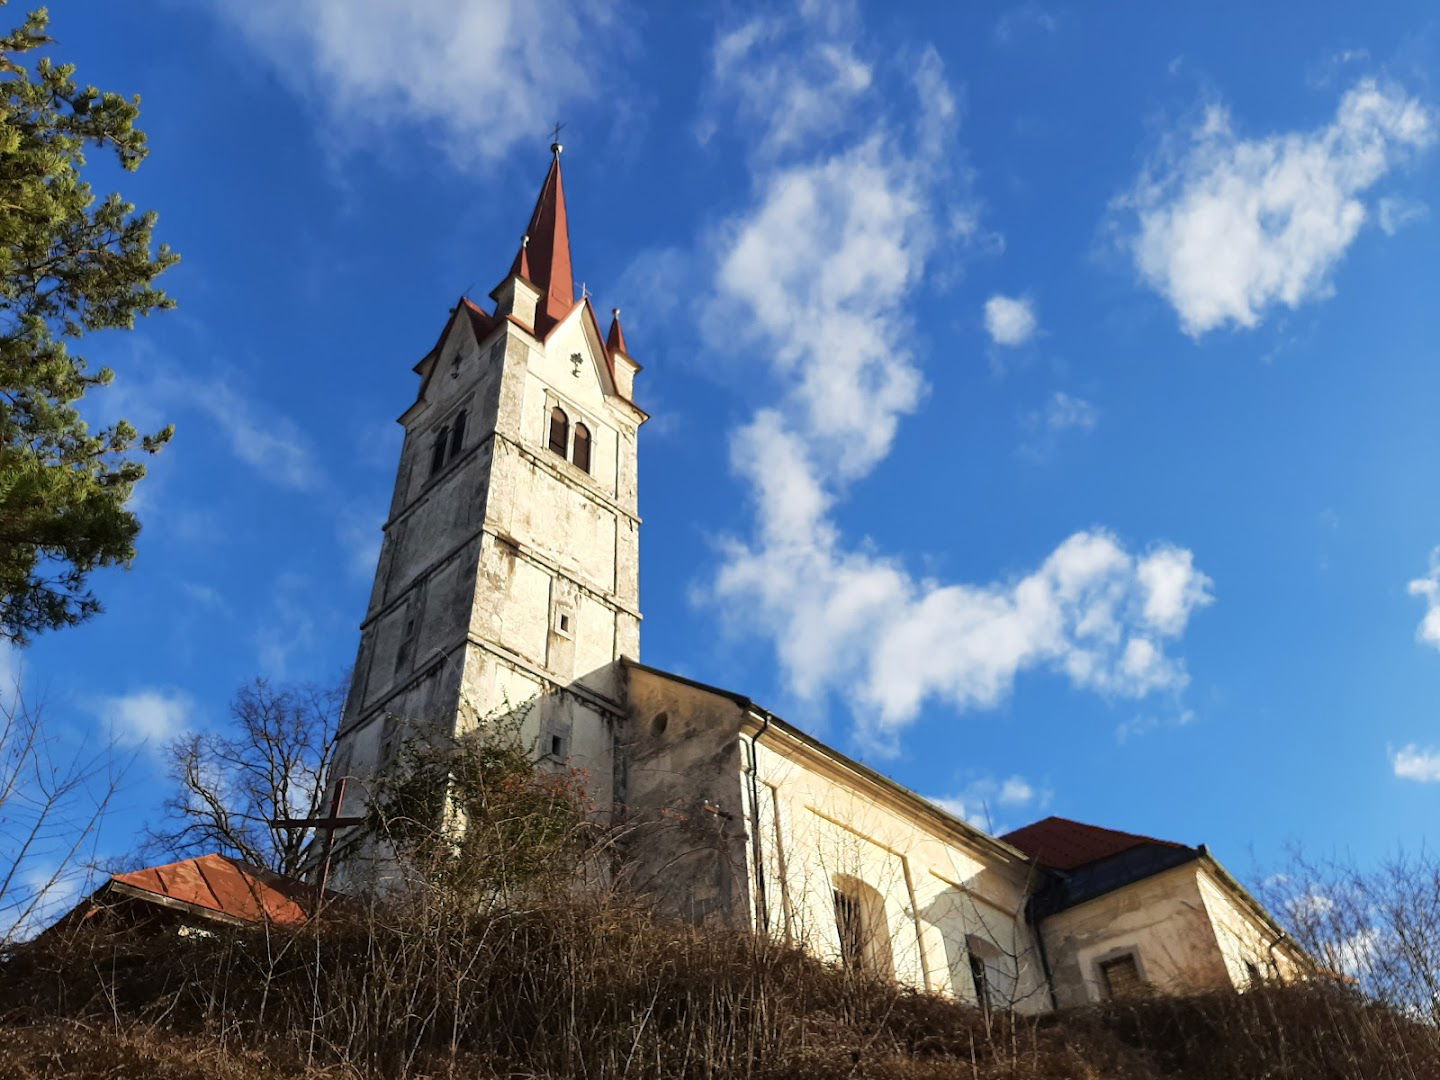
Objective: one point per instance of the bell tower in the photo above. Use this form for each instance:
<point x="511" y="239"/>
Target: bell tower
<point x="508" y="580"/>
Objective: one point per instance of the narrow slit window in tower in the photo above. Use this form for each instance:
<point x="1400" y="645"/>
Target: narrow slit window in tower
<point x="437" y="452"/>
<point x="581" y="456"/>
<point x="402" y="653"/>
<point x="457" y="434"/>
<point x="559" y="431"/>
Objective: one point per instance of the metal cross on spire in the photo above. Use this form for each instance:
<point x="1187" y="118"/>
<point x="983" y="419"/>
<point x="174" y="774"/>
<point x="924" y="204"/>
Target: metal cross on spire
<point x="555" y="146"/>
<point x="327" y="825"/>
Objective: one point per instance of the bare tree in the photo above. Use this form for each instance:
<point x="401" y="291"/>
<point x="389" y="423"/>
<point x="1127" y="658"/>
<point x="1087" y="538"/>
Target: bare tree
<point x="52" y="801"/>
<point x="1377" y="929"/>
<point x="270" y="763"/>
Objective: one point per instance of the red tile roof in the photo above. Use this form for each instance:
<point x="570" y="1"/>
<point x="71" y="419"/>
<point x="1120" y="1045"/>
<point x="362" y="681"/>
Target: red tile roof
<point x="222" y="886"/>
<point x="1062" y="844"/>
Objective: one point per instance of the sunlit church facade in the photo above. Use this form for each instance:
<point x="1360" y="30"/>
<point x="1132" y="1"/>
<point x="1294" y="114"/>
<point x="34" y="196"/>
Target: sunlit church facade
<point x="508" y="581"/>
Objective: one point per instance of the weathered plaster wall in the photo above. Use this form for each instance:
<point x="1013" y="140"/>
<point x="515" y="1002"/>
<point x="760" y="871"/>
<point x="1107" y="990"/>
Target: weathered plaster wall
<point x="1244" y="939"/>
<point x="1161" y="919"/>
<point x="680" y="780"/>
<point x="945" y="895"/>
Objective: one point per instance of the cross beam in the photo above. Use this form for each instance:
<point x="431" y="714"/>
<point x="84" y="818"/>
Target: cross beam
<point x="327" y="825"/>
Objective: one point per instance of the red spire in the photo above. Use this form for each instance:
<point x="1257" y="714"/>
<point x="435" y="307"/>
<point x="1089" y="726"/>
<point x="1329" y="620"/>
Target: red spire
<point x="615" y="341"/>
<point x="544" y="255"/>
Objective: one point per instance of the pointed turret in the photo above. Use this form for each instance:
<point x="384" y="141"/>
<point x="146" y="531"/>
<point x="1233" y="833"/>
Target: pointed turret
<point x="544" y="255"/>
<point x="615" y="340"/>
<point x="521" y="266"/>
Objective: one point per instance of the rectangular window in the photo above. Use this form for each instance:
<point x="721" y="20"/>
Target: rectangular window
<point x="981" y="979"/>
<point x="1122" y="977"/>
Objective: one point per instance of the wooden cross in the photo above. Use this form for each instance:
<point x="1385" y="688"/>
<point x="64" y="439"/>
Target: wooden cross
<point x="328" y="826"/>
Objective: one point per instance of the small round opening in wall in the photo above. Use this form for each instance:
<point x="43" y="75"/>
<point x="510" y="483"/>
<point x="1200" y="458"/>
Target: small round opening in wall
<point x="660" y="723"/>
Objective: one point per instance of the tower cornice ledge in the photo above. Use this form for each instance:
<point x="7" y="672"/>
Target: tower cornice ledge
<point x="552" y="684"/>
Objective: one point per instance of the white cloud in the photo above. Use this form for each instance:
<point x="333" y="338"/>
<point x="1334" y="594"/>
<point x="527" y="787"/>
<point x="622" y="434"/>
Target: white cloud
<point x="1061" y="412"/>
<point x="978" y="801"/>
<point x="150" y="716"/>
<point x="206" y="596"/>
<point x="1172" y="588"/>
<point x="289" y="629"/>
<point x="268" y="442"/>
<point x="12" y="671"/>
<point x="786" y="103"/>
<point x="1412" y="763"/>
<point x="1308" y="906"/>
<point x="1010" y="320"/>
<point x="819" y="273"/>
<point x="1145" y="723"/>
<point x="1026" y="17"/>
<point x="1226" y="227"/>
<point x="1355" y="954"/>
<point x="360" y="541"/>
<point x="255" y="432"/>
<point x="478" y="75"/>
<point x="1395" y="213"/>
<point x="1428" y="587"/>
<point x="1064" y="411"/>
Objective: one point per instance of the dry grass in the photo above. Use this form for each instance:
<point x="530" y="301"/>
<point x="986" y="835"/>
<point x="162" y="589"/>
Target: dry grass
<point x="602" y="989"/>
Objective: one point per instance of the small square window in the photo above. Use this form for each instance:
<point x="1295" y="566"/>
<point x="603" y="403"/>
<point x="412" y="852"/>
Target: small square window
<point x="557" y="746"/>
<point x="1122" y="977"/>
<point x="564" y="623"/>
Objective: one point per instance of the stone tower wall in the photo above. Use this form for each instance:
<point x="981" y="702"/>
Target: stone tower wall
<point x="508" y="581"/>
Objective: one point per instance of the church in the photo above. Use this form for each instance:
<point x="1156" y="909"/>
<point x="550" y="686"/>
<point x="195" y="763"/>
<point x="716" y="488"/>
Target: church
<point x="508" y="582"/>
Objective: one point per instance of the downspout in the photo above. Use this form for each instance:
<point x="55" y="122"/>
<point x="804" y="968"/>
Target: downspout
<point x="757" y="852"/>
<point x="1044" y="955"/>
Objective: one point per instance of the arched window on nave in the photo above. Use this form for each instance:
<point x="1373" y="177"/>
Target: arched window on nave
<point x="863" y="929"/>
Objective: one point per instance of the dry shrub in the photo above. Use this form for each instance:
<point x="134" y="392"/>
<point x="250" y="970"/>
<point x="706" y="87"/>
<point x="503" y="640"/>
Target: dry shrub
<point x="484" y="959"/>
<point x="600" y="988"/>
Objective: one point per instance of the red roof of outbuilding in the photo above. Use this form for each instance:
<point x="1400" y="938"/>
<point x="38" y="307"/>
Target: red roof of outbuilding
<point x="544" y="256"/>
<point x="225" y="887"/>
<point x="1062" y="844"/>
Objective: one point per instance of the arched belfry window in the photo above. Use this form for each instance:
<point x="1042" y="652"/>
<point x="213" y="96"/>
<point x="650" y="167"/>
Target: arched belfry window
<point x="559" y="431"/>
<point x="457" y="434"/>
<point x="581" y="456"/>
<point x="437" y="452"/>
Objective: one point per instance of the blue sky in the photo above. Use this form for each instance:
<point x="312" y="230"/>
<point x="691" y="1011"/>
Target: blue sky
<point x="1044" y="400"/>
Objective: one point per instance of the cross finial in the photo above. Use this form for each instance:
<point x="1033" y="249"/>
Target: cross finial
<point x="555" y="146"/>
